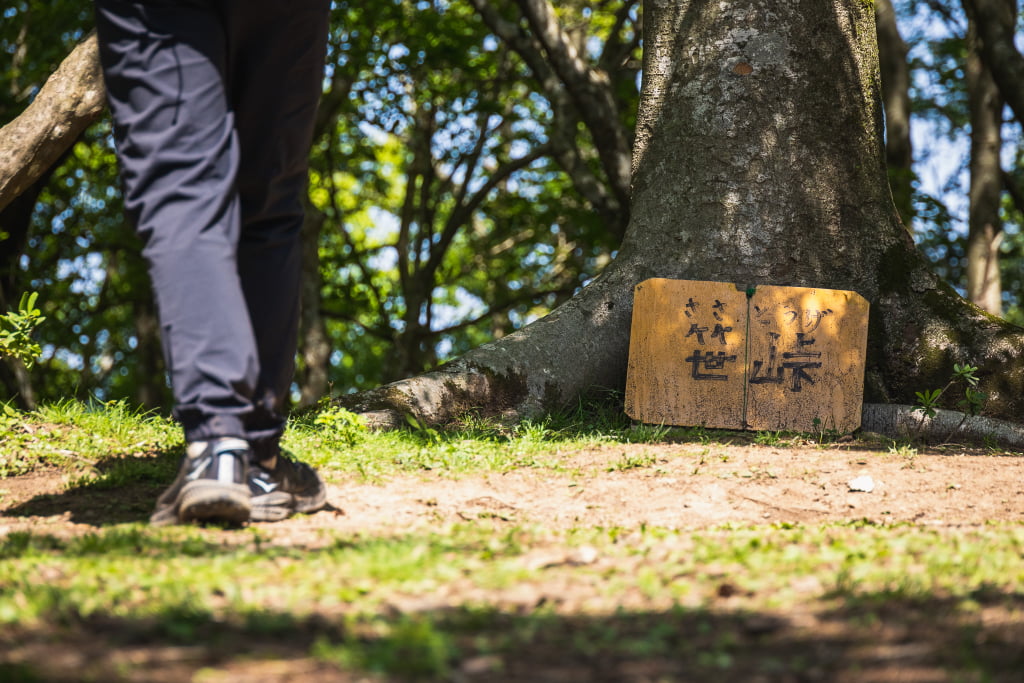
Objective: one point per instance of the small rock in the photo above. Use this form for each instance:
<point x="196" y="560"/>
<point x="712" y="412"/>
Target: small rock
<point x="584" y="555"/>
<point x="863" y="483"/>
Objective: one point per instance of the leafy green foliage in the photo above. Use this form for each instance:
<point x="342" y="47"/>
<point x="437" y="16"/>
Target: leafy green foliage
<point x="936" y="32"/>
<point x="341" y="426"/>
<point x="445" y="218"/>
<point x="16" y="328"/>
<point x="971" y="403"/>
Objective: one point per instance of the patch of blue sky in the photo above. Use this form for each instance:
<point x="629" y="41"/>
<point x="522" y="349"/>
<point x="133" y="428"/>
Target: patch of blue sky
<point x="87" y="271"/>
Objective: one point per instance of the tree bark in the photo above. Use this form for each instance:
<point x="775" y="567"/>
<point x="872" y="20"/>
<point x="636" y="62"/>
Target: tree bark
<point x="892" y="56"/>
<point x="72" y="98"/>
<point x="758" y="160"/>
<point x="315" y="344"/>
<point x="985" y="229"/>
<point x="996" y="21"/>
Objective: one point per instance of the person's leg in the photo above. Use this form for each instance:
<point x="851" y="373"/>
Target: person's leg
<point x="275" y="76"/>
<point x="164" y="66"/>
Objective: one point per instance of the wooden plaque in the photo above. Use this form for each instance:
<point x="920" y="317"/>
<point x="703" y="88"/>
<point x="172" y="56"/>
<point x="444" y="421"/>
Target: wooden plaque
<point x="766" y="358"/>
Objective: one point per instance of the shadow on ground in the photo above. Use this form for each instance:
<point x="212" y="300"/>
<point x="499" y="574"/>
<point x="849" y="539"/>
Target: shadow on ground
<point x="120" y="489"/>
<point x="853" y="637"/>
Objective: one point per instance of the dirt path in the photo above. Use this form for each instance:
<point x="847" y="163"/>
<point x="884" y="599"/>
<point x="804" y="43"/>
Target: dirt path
<point x="678" y="486"/>
<point x="685" y="486"/>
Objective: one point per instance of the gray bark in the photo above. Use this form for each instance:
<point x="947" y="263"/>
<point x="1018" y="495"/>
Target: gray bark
<point x="72" y="98"/>
<point x="758" y="159"/>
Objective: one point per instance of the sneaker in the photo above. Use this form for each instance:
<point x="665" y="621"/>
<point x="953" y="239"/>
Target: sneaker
<point x="210" y="487"/>
<point x="281" y="487"/>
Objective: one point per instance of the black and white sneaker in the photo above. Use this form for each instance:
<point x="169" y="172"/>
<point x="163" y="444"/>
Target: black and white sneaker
<point x="282" y="487"/>
<point x="210" y="486"/>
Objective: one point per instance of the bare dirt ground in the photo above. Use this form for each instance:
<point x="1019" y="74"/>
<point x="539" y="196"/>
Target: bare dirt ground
<point x="679" y="486"/>
<point x="685" y="486"/>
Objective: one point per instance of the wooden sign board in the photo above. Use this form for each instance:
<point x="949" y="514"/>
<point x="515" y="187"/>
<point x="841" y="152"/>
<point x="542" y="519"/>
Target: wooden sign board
<point x="765" y="358"/>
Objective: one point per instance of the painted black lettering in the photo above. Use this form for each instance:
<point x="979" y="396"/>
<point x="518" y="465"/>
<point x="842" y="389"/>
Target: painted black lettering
<point x="695" y="329"/>
<point x="706" y="364"/>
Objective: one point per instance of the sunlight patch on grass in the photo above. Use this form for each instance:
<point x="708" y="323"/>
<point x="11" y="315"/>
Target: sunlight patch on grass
<point x="417" y="604"/>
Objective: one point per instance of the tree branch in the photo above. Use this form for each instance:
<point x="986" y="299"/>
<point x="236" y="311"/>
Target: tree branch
<point x="995" y="20"/>
<point x="462" y="213"/>
<point x="504" y="306"/>
<point x="590" y="90"/>
<point x="72" y="98"/>
<point x="566" y="119"/>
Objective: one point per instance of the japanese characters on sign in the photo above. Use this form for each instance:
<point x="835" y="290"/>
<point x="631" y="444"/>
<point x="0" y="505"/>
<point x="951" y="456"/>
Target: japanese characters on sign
<point x="762" y="358"/>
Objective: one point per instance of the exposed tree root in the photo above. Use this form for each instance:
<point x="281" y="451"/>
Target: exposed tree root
<point x="900" y="421"/>
<point x="581" y="346"/>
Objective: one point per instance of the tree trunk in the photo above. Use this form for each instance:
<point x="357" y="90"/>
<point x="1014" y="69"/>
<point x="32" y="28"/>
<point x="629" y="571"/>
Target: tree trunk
<point x="985" y="229"/>
<point x="314" y="343"/>
<point x="892" y="56"/>
<point x="151" y="390"/>
<point x="758" y="160"/>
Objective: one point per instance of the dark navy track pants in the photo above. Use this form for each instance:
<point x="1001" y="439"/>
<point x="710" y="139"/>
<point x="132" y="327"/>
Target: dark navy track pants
<point x="213" y="104"/>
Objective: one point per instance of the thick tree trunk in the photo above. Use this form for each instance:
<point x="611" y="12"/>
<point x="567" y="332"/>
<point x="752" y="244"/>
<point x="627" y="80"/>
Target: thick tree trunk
<point x="72" y="98"/>
<point x="892" y="56"/>
<point x="758" y="160"/>
<point x="985" y="229"/>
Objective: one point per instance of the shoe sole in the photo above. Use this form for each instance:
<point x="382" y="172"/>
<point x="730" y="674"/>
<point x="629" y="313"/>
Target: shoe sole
<point x="274" y="507"/>
<point x="213" y="501"/>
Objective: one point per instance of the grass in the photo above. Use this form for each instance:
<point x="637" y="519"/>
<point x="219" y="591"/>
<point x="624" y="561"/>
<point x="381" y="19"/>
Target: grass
<point x="420" y="605"/>
<point x="484" y="599"/>
<point x="112" y="442"/>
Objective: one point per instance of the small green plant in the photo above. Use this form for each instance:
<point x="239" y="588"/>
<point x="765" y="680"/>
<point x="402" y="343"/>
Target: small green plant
<point x="629" y="462"/>
<point x="429" y="435"/>
<point x="533" y="431"/>
<point x="970" y="404"/>
<point x="769" y="438"/>
<point x="928" y="401"/>
<point x="342" y="426"/>
<point x="903" y="450"/>
<point x="9" y="416"/>
<point x="16" y="329"/>
<point x="646" y="433"/>
<point x="823" y="433"/>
